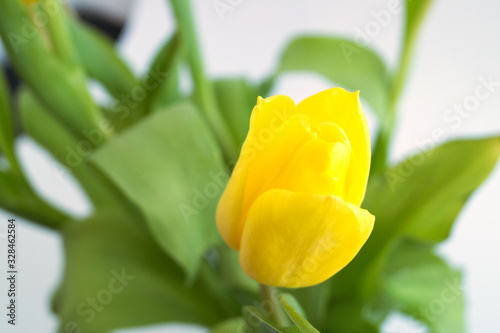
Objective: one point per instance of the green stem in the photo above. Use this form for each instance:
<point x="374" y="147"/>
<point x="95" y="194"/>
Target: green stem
<point x="204" y="89"/>
<point x="276" y="313"/>
<point x="382" y="145"/>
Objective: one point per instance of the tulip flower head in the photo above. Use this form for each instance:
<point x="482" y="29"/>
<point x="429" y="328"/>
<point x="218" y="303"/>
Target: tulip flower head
<point x="292" y="205"/>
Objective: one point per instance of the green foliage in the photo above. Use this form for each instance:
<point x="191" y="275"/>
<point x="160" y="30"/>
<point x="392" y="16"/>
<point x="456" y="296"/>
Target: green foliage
<point x="6" y="123"/>
<point x="256" y="319"/>
<point x="422" y="196"/>
<point x="347" y="315"/>
<point x="166" y="63"/>
<point x="170" y="166"/>
<point x="101" y="62"/>
<point x="344" y="62"/>
<point x="69" y="150"/>
<point x="296" y="313"/>
<point x="16" y="194"/>
<point x="315" y="301"/>
<point x="65" y="93"/>
<point x="418" y="199"/>
<point x="112" y="260"/>
<point x="236" y="98"/>
<point x="423" y="286"/>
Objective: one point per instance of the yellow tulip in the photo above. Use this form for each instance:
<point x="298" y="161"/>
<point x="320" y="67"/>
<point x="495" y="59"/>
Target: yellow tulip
<point x="292" y="204"/>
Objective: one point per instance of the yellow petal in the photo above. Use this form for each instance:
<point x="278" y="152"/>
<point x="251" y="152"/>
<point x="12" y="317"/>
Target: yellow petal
<point x="296" y="240"/>
<point x="269" y="120"/>
<point x="343" y="108"/>
<point x="280" y="152"/>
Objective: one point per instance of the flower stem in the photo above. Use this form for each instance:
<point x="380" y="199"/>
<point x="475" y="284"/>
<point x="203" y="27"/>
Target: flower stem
<point x="380" y="153"/>
<point x="204" y="90"/>
<point x="270" y="301"/>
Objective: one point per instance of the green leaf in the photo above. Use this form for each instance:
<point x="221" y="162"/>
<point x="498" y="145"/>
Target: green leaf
<point x="347" y="316"/>
<point x="6" y="124"/>
<point x="236" y="99"/>
<point x="419" y="198"/>
<point x="256" y="321"/>
<point x="231" y="272"/>
<point x="342" y="61"/>
<point x="166" y="66"/>
<point x="101" y="60"/>
<point x="19" y="198"/>
<point x="296" y="313"/>
<point x="315" y="301"/>
<point x="232" y="325"/>
<point x="16" y="195"/>
<point x="425" y="287"/>
<point x="170" y="165"/>
<point x="69" y="150"/>
<point x="117" y="276"/>
<point x="61" y="88"/>
<point x="422" y="196"/>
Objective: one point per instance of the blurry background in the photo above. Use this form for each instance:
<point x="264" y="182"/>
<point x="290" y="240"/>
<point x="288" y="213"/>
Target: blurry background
<point x="458" y="46"/>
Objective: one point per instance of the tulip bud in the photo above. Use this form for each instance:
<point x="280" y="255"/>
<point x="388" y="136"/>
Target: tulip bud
<point x="292" y="204"/>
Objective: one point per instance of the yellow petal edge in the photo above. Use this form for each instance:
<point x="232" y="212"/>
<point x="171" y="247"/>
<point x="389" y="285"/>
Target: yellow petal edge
<point x="297" y="239"/>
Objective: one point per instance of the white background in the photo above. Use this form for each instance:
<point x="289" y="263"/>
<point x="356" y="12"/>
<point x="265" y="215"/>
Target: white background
<point x="458" y="44"/>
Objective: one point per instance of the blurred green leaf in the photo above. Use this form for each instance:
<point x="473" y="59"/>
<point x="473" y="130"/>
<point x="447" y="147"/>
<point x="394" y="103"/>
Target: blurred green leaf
<point x="232" y="273"/>
<point x="342" y="61"/>
<point x="423" y="286"/>
<point x="233" y="325"/>
<point x="170" y="165"/>
<point x="315" y="301"/>
<point x="117" y="276"/>
<point x="55" y="28"/>
<point x="257" y="322"/>
<point x="69" y="150"/>
<point x="166" y="65"/>
<point x="347" y="316"/>
<point x="296" y="313"/>
<point x="236" y="99"/>
<point x="6" y="124"/>
<point x="422" y="196"/>
<point x="100" y="59"/>
<point x="17" y="196"/>
<point x="61" y="88"/>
